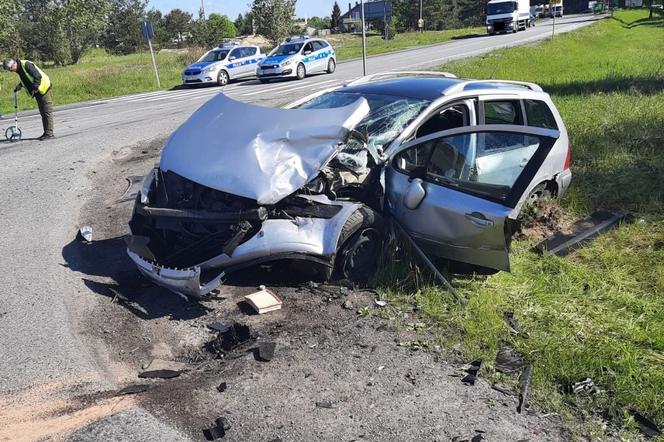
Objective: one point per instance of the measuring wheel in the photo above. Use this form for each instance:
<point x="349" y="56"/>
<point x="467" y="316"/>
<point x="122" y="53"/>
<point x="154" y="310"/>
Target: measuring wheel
<point x="13" y="133"/>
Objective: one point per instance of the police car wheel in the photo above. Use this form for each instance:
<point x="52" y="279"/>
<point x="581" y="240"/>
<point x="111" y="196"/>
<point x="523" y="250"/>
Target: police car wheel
<point x="301" y="72"/>
<point x="222" y="78"/>
<point x="331" y="66"/>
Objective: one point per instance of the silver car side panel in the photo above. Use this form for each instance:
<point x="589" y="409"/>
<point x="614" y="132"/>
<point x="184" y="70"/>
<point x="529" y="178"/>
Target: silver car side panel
<point x="256" y="152"/>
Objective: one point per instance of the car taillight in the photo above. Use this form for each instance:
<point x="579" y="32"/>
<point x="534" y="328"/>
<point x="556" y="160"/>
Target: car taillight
<point x="568" y="158"/>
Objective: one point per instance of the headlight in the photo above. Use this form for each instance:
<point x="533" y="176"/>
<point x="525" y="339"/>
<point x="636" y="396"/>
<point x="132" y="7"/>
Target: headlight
<point x="287" y="62"/>
<point x="209" y="69"/>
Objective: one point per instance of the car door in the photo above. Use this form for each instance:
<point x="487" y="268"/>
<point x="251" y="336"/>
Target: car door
<point x="249" y="60"/>
<point x="452" y="191"/>
<point x="235" y="59"/>
<point x="320" y="60"/>
<point x="309" y="58"/>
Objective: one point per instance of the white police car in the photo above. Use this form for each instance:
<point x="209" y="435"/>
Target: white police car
<point x="227" y="62"/>
<point x="298" y="57"/>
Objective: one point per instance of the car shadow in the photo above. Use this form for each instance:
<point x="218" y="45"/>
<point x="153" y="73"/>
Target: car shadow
<point x="108" y="271"/>
<point x="468" y="36"/>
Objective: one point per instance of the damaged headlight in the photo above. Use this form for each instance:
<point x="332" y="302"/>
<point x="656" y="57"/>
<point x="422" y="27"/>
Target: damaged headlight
<point x="147" y="186"/>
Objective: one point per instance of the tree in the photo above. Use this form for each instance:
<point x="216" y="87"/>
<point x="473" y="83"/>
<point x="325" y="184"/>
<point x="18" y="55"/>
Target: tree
<point x="123" y="26"/>
<point x="83" y="21"/>
<point x="9" y="36"/>
<point x="336" y="16"/>
<point x="319" y="23"/>
<point x="161" y="35"/>
<point x="273" y="18"/>
<point x="239" y="24"/>
<point x="178" y="24"/>
<point x="213" y="30"/>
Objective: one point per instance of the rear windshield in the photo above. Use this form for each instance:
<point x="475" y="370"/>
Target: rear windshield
<point x="388" y="116"/>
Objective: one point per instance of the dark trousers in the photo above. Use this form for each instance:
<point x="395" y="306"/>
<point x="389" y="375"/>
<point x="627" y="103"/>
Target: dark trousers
<point x="45" y="103"/>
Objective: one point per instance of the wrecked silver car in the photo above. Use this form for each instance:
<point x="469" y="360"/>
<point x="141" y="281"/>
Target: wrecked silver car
<point x="240" y="185"/>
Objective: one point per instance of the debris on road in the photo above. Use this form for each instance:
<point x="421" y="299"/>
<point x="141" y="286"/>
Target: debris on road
<point x="380" y="302"/>
<point x="524" y="382"/>
<point x="160" y="374"/>
<point x="220" y="326"/>
<point x="324" y="404"/>
<point x="586" y="386"/>
<point x="216" y="432"/>
<point x="222" y="387"/>
<point x="582" y="231"/>
<point x="266" y="351"/>
<point x="347" y="305"/>
<point x="85" y="234"/>
<point x="133" y="389"/>
<point x="264" y="300"/>
<point x="472" y="371"/>
<point x="231" y="338"/>
<point x="133" y="188"/>
<point x="508" y="361"/>
<point x="647" y="427"/>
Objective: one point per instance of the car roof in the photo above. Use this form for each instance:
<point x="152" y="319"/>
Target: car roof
<point x="428" y="88"/>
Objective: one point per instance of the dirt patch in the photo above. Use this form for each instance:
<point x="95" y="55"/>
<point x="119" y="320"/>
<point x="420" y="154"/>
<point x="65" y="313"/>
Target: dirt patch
<point x="542" y="219"/>
<point x="335" y="375"/>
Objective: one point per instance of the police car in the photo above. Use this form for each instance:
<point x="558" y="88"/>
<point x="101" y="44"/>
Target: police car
<point x="298" y="57"/>
<point x="227" y="62"/>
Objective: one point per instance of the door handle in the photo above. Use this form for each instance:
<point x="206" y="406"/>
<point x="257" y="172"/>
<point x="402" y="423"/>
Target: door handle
<point x="479" y="220"/>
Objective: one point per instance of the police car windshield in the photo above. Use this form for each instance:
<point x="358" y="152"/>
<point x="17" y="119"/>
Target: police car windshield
<point x="388" y="115"/>
<point x="287" y="49"/>
<point x="216" y="55"/>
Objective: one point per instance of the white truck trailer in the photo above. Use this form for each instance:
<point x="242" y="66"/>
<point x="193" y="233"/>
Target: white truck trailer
<point x="507" y="16"/>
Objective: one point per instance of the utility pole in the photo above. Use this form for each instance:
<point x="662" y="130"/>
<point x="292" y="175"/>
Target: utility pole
<point x="203" y="8"/>
<point x="420" y="22"/>
<point x="553" y="27"/>
<point x="364" y="41"/>
<point x="385" y="18"/>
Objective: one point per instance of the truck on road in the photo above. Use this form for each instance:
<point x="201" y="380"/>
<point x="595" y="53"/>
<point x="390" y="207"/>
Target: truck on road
<point x="507" y="16"/>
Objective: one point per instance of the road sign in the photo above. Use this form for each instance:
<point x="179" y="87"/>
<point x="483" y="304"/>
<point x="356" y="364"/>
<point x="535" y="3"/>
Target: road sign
<point x="146" y="29"/>
<point x="420" y="23"/>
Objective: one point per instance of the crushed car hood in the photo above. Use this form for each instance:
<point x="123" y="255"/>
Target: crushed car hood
<point x="258" y="152"/>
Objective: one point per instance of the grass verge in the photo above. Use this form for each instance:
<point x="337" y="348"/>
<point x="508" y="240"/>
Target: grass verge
<point x="100" y="75"/>
<point x="598" y="313"/>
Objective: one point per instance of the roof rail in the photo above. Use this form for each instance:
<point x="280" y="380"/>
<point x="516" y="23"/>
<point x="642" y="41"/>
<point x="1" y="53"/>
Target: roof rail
<point x="462" y="86"/>
<point x="370" y="77"/>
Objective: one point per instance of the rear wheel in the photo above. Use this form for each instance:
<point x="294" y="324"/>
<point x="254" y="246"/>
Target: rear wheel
<point x="331" y="66"/>
<point x="222" y="78"/>
<point x="301" y="72"/>
<point x="361" y="242"/>
<point x="541" y="191"/>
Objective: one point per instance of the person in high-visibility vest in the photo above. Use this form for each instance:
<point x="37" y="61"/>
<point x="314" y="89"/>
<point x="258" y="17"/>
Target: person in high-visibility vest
<point x="38" y="86"/>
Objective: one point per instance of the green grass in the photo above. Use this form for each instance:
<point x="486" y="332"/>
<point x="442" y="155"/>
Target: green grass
<point x="100" y="75"/>
<point x="598" y="313"/>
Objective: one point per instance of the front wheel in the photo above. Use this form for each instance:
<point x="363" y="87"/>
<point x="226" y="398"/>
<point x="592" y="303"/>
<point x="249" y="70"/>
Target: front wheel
<point x="301" y="72"/>
<point x="331" y="66"/>
<point x="361" y="242"/>
<point x="222" y="78"/>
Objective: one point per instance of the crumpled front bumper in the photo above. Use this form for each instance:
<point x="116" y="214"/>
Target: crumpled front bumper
<point x="183" y="281"/>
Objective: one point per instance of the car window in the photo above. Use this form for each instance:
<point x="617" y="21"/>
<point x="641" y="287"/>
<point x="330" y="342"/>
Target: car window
<point x="502" y="112"/>
<point x="237" y="53"/>
<point x="538" y="114"/>
<point x="449" y="117"/>
<point x="317" y="46"/>
<point x="486" y="164"/>
<point x="248" y="52"/>
<point x="213" y="56"/>
<point x="308" y="47"/>
<point x="323" y="43"/>
<point x="287" y="49"/>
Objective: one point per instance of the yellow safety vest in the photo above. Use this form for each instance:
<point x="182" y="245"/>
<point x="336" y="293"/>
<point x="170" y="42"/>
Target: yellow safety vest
<point x="45" y="83"/>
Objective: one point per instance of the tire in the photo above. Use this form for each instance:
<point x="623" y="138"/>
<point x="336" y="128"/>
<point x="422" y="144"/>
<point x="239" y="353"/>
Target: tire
<point x="331" y="66"/>
<point x="361" y="241"/>
<point x="301" y="71"/>
<point x="222" y="78"/>
<point x="540" y="191"/>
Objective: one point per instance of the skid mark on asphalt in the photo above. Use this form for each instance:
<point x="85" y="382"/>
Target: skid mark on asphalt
<point x="43" y="412"/>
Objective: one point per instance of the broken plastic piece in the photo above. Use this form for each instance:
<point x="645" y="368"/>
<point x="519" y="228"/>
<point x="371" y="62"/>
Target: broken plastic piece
<point x="523" y="385"/>
<point x="85" y="233"/>
<point x="508" y="361"/>
<point x="472" y="371"/>
<point x="647" y="427"/>
<point x="222" y="387"/>
<point x="380" y="302"/>
<point x="133" y="188"/>
<point x="159" y="374"/>
<point x="266" y="351"/>
<point x="231" y="338"/>
<point x="324" y="404"/>
<point x="216" y="432"/>
<point x="220" y="326"/>
<point x="585" y="387"/>
<point x="133" y="389"/>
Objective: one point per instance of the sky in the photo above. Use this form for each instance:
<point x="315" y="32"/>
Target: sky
<point x="232" y="8"/>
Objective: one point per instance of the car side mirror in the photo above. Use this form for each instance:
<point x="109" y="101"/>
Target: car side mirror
<point x="307" y="52"/>
<point x="414" y="194"/>
<point x="232" y="57"/>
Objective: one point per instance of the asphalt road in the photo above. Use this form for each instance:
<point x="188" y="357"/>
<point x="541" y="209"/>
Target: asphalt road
<point x="43" y="186"/>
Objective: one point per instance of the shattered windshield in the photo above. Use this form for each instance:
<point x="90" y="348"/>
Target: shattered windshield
<point x="388" y="116"/>
<point x="500" y="8"/>
<point x="287" y="49"/>
<point x="213" y="56"/>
